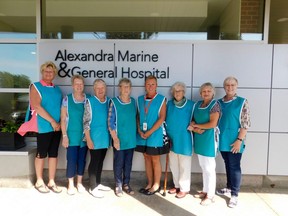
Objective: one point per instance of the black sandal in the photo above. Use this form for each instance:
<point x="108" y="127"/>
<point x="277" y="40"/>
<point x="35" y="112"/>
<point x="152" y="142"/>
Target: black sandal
<point x="128" y="189"/>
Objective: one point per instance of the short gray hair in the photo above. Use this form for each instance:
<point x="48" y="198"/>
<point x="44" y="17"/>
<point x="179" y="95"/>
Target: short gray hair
<point x="96" y="81"/>
<point x="207" y="84"/>
<point x="227" y="79"/>
<point x="178" y="84"/>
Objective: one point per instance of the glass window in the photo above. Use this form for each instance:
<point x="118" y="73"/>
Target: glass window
<point x="17" y="65"/>
<point x="153" y="20"/>
<point x="13" y="106"/>
<point x="278" y="22"/>
<point x="18" y="19"/>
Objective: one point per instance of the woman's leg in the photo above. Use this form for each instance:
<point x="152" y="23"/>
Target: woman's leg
<point x="149" y="170"/>
<point x="156" y="170"/>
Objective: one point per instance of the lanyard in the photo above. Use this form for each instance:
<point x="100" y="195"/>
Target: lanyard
<point x="146" y="108"/>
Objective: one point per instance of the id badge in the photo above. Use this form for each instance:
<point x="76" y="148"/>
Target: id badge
<point x="144" y="126"/>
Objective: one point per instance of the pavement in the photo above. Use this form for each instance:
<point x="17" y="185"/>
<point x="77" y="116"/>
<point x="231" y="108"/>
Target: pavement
<point x="29" y="202"/>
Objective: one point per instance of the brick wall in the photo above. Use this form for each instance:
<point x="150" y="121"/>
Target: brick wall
<point x="251" y="16"/>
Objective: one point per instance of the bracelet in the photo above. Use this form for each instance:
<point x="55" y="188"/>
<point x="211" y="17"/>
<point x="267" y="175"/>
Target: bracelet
<point x="239" y="139"/>
<point x="64" y="135"/>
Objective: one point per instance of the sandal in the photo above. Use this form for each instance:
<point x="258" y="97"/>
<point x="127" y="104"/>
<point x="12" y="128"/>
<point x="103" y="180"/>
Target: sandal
<point x="42" y="188"/>
<point x="55" y="189"/>
<point x="128" y="189"/>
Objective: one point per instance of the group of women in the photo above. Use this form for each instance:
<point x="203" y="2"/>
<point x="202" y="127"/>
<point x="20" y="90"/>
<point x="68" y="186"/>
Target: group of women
<point x="192" y="127"/>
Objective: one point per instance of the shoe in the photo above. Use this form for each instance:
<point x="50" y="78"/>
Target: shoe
<point x="174" y="190"/>
<point x="71" y="190"/>
<point x="103" y="188"/>
<point x="128" y="189"/>
<point x="200" y="195"/>
<point x="96" y="193"/>
<point x="181" y="194"/>
<point x="233" y="202"/>
<point x="55" y="188"/>
<point x="81" y="188"/>
<point x="42" y="188"/>
<point x="149" y="193"/>
<point x="224" y="191"/>
<point x="143" y="190"/>
<point x="118" y="191"/>
<point x="207" y="201"/>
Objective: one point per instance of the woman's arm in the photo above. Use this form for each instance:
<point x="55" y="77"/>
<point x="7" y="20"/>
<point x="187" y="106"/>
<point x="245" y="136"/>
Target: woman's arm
<point x="64" y="114"/>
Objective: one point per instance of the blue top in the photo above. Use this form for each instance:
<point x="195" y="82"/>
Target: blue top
<point x="99" y="127"/>
<point x="230" y="123"/>
<point x="206" y="143"/>
<point x="51" y="98"/>
<point x="153" y="107"/>
<point x="125" y="122"/>
<point x="177" y="121"/>
<point x="75" y="112"/>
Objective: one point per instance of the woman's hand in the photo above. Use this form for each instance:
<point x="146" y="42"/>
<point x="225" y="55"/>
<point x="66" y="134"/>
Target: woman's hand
<point x="90" y="144"/>
<point x="116" y="143"/>
<point x="65" y="141"/>
<point x="55" y="125"/>
<point x="236" y="147"/>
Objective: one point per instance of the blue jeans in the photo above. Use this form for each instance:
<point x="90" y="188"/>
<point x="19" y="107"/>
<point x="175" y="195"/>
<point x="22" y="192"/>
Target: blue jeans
<point x="233" y="171"/>
<point x="76" y="161"/>
<point x="122" y="166"/>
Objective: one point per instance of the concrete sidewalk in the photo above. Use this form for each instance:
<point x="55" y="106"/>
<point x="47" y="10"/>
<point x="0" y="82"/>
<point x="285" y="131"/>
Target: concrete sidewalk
<point x="29" y="202"/>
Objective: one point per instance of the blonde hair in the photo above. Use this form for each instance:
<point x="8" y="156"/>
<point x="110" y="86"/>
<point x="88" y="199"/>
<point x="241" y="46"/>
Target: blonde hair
<point x="76" y="77"/>
<point x="150" y="77"/>
<point x="48" y="64"/>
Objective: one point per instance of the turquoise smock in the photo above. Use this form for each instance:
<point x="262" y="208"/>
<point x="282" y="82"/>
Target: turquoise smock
<point x="51" y="98"/>
<point x="178" y="119"/>
<point x="99" y="125"/>
<point x="126" y="122"/>
<point x="230" y="123"/>
<point x="205" y="144"/>
<point x="156" y="138"/>
<point x="75" y="112"/>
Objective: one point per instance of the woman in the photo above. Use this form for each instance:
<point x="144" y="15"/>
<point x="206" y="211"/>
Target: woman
<point x="234" y="123"/>
<point x="97" y="135"/>
<point x="204" y="125"/>
<point x="72" y="134"/>
<point x="178" y="118"/>
<point x="46" y="121"/>
<point x="122" y="127"/>
<point x="152" y="113"/>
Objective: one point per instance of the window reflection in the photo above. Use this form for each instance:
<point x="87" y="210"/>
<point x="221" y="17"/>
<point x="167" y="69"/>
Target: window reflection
<point x="13" y="106"/>
<point x="17" y="65"/>
<point x="152" y="20"/>
<point x="18" y="19"/>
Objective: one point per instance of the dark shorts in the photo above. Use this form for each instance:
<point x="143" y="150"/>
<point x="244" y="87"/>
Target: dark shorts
<point x="48" y="144"/>
<point x="153" y="150"/>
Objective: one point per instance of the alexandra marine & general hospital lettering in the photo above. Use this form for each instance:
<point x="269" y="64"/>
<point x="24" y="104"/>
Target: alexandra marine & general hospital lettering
<point x="64" y="57"/>
<point x="115" y="60"/>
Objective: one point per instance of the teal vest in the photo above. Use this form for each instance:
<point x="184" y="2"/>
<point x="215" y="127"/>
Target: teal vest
<point x="75" y="122"/>
<point x="99" y="125"/>
<point x="51" y="98"/>
<point x="126" y="123"/>
<point x="230" y="123"/>
<point x="177" y="121"/>
<point x="156" y="139"/>
<point x="205" y="143"/>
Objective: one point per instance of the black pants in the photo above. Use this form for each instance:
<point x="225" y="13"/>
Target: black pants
<point x="97" y="157"/>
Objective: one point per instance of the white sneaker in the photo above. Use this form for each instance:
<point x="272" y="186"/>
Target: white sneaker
<point x="224" y="191"/>
<point x="81" y="188"/>
<point x="71" y="191"/>
<point x="96" y="193"/>
<point x="103" y="188"/>
<point x="233" y="202"/>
